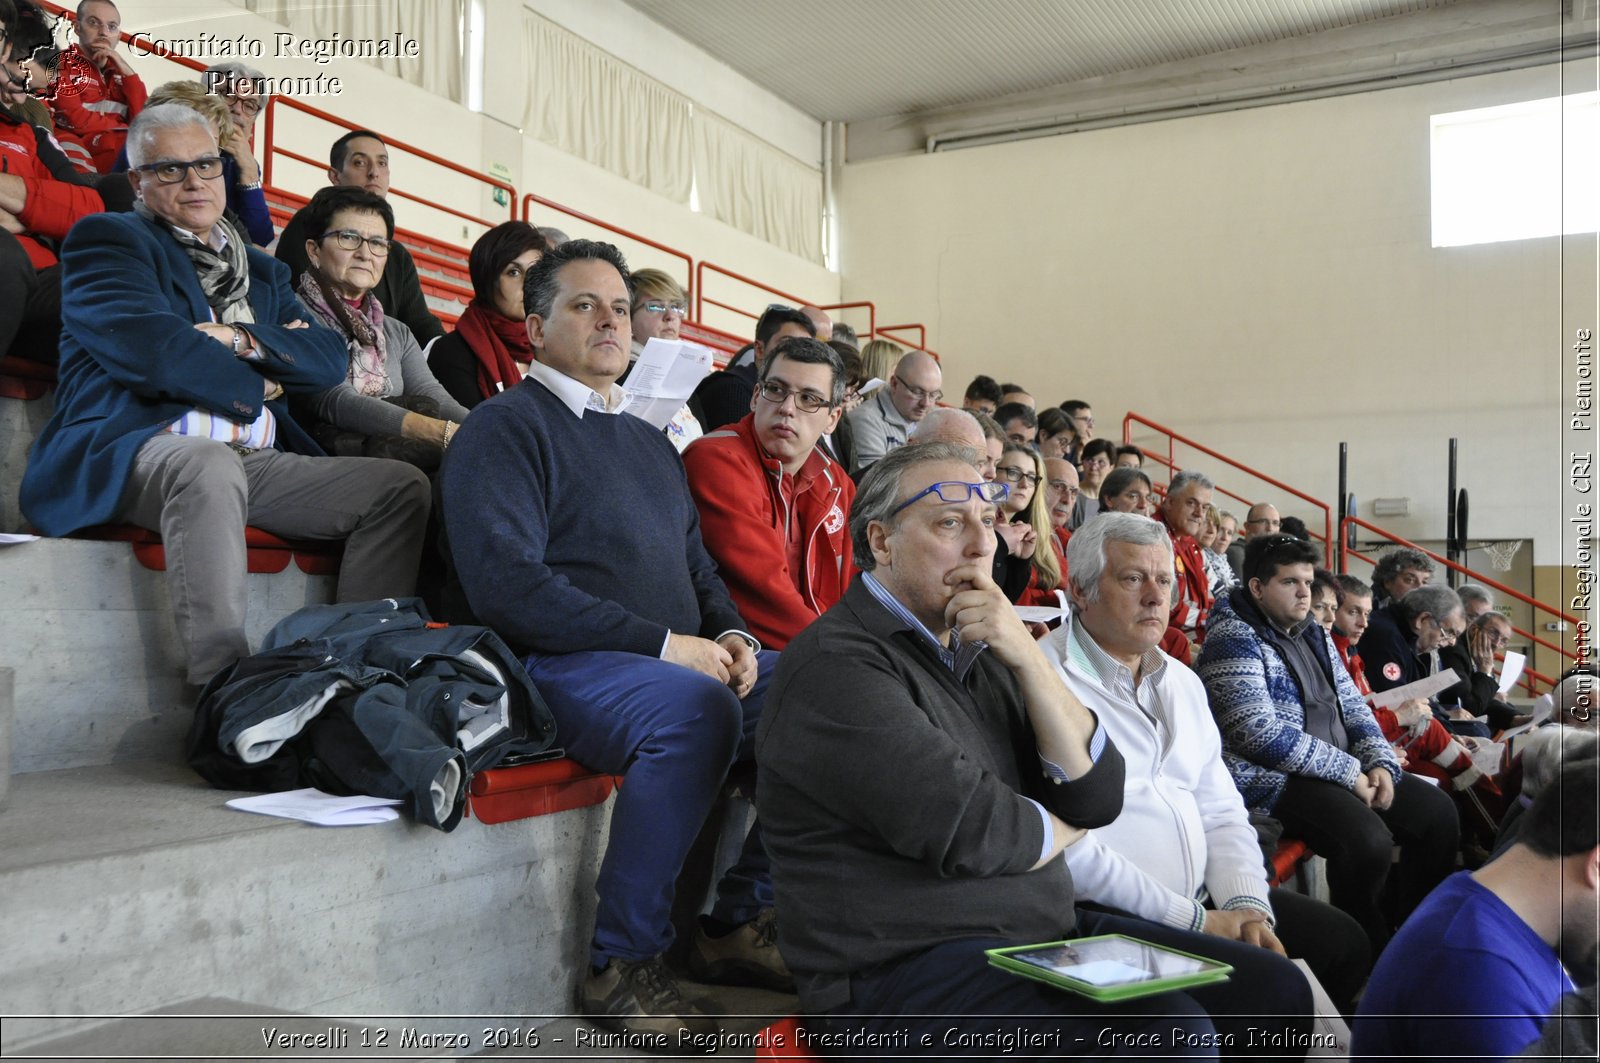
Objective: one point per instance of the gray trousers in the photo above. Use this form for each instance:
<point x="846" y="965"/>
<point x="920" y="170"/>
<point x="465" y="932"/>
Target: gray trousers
<point x="199" y="494"/>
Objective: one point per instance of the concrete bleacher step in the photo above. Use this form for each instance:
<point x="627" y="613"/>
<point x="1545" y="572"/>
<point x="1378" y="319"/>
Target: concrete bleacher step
<point x="99" y="675"/>
<point x="131" y="888"/>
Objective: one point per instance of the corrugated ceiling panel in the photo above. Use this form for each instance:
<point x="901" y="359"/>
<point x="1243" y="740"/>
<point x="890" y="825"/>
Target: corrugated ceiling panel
<point x="850" y="59"/>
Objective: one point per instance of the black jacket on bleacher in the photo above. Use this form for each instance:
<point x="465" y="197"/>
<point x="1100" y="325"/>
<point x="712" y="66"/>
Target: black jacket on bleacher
<point x="399" y="290"/>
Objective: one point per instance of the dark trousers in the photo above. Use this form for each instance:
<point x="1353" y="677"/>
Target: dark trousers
<point x="672" y="733"/>
<point x="950" y="995"/>
<point x="30" y="304"/>
<point x="1358" y="843"/>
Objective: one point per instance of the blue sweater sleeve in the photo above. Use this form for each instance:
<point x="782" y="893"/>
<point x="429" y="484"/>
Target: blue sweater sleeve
<point x="495" y="516"/>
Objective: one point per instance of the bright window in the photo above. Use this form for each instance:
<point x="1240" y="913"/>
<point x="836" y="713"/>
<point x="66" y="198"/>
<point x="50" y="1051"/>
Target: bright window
<point x="1518" y="171"/>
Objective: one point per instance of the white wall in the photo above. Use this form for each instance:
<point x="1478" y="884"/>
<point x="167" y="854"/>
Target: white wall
<point x="1261" y="281"/>
<point x="407" y="113"/>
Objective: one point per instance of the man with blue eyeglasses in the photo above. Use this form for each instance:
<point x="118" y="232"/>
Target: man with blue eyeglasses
<point x="922" y="767"/>
<point x="773" y="505"/>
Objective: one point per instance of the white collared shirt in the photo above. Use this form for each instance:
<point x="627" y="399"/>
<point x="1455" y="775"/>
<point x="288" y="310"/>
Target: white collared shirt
<point x="576" y="395"/>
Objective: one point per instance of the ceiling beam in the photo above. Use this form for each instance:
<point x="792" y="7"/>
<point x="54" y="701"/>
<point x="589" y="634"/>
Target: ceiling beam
<point x="1463" y="39"/>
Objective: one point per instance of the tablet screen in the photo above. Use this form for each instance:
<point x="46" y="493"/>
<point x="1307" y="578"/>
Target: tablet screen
<point x="1113" y="961"/>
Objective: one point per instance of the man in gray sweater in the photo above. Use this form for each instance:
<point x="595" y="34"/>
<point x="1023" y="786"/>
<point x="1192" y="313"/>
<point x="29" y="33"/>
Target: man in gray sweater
<point x="922" y="767"/>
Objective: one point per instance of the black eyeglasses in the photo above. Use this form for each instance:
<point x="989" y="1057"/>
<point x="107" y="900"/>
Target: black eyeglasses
<point x="1448" y="634"/>
<point x="920" y="394"/>
<point x="957" y="491"/>
<point x="349" y="239"/>
<point x="207" y="168"/>
<point x="1014" y="474"/>
<point x="805" y="401"/>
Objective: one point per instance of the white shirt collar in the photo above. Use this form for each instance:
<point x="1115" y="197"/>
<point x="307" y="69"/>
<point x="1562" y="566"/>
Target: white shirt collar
<point x="576" y="395"/>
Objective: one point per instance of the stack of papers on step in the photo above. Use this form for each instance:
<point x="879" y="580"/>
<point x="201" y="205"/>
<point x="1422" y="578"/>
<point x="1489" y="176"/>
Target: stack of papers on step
<point x="323" y="809"/>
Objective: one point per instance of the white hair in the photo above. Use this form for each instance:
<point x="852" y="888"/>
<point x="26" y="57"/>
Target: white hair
<point x="157" y="119"/>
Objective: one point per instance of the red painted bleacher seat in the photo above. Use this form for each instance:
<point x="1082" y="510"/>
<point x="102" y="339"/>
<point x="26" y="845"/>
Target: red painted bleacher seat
<point x="1290" y="855"/>
<point x="503" y="794"/>
<point x="265" y="552"/>
<point x="781" y="1040"/>
<point x="22" y="379"/>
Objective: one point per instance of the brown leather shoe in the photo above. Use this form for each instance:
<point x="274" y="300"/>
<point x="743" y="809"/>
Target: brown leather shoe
<point x="643" y="997"/>
<point x="745" y="956"/>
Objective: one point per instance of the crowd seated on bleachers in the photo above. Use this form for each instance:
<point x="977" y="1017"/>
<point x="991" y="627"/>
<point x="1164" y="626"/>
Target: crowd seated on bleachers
<point x="923" y="756"/>
<point x="389" y="404"/>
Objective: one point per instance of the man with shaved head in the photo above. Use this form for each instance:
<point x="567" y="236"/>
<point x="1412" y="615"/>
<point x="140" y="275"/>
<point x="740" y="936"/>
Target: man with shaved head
<point x="820" y="319"/>
<point x="885" y="421"/>
<point x="946" y="424"/>
<point x="1263" y="519"/>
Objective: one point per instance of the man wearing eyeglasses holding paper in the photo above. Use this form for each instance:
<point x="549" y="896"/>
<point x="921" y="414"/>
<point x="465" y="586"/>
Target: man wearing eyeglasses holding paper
<point x="922" y="768"/>
<point x="773" y="506"/>
<point x="887" y="419"/>
<point x="179" y="342"/>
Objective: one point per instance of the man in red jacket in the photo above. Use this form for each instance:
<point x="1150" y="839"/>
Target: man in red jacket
<point x="1184" y="511"/>
<point x="774" y="508"/>
<point x="97" y="93"/>
<point x="39" y="201"/>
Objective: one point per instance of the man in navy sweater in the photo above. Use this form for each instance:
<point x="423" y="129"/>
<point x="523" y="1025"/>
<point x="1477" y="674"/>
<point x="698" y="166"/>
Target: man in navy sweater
<point x="573" y="535"/>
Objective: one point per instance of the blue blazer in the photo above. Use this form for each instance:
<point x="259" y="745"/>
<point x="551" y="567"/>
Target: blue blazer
<point x="132" y="363"/>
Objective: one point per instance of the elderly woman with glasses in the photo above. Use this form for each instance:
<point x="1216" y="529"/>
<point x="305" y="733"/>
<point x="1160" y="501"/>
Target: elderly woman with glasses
<point x="389" y="405"/>
<point x="660" y="306"/>
<point x="490" y="350"/>
<point x="1021" y="469"/>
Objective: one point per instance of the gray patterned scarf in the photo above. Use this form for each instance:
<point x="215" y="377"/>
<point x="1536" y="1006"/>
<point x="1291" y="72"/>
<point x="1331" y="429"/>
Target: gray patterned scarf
<point x="224" y="275"/>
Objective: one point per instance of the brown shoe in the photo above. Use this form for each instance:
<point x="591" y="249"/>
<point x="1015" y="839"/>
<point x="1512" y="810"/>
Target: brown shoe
<point x="745" y="956"/>
<point x="642" y="997"/>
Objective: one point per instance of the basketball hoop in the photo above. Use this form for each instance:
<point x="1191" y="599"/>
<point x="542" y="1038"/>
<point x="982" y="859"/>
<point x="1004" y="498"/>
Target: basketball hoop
<point x="1501" y="554"/>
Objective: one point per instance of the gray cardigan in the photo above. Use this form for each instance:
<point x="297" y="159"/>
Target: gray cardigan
<point x="407" y="369"/>
<point x="894" y="805"/>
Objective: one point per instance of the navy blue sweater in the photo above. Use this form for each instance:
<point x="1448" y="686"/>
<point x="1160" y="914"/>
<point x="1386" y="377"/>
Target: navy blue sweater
<point x="572" y="534"/>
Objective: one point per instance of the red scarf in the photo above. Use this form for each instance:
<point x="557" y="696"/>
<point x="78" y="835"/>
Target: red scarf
<point x="498" y="343"/>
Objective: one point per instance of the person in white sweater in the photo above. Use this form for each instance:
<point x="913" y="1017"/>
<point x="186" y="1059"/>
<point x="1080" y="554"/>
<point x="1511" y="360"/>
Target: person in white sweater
<point x="1183" y="851"/>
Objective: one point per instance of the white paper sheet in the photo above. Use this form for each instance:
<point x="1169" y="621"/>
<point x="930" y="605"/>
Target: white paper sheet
<point x="12" y="538"/>
<point x="1422" y="688"/>
<point x="869" y="387"/>
<point x="664" y="377"/>
<point x="325" y="810"/>
<point x="1511" y="671"/>
<point x="1486" y="755"/>
<point x="1330" y="1033"/>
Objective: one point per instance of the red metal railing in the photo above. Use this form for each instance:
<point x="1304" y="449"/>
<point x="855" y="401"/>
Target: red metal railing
<point x="271" y="149"/>
<point x="690" y="278"/>
<point x="1170" y="461"/>
<point x="1538" y="607"/>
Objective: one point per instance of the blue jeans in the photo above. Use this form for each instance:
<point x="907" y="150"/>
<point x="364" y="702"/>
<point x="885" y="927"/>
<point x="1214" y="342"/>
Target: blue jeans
<point x="672" y="733"/>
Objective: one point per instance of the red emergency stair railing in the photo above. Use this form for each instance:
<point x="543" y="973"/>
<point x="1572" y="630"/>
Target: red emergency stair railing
<point x="1529" y="674"/>
<point x="1170" y="462"/>
<point x="270" y="149"/>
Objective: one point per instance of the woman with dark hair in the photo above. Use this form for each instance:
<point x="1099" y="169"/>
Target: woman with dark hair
<point x="490" y="351"/>
<point x="389" y="405"/>
<point x="1094" y="462"/>
<point x="1057" y="432"/>
<point x="1127" y="491"/>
